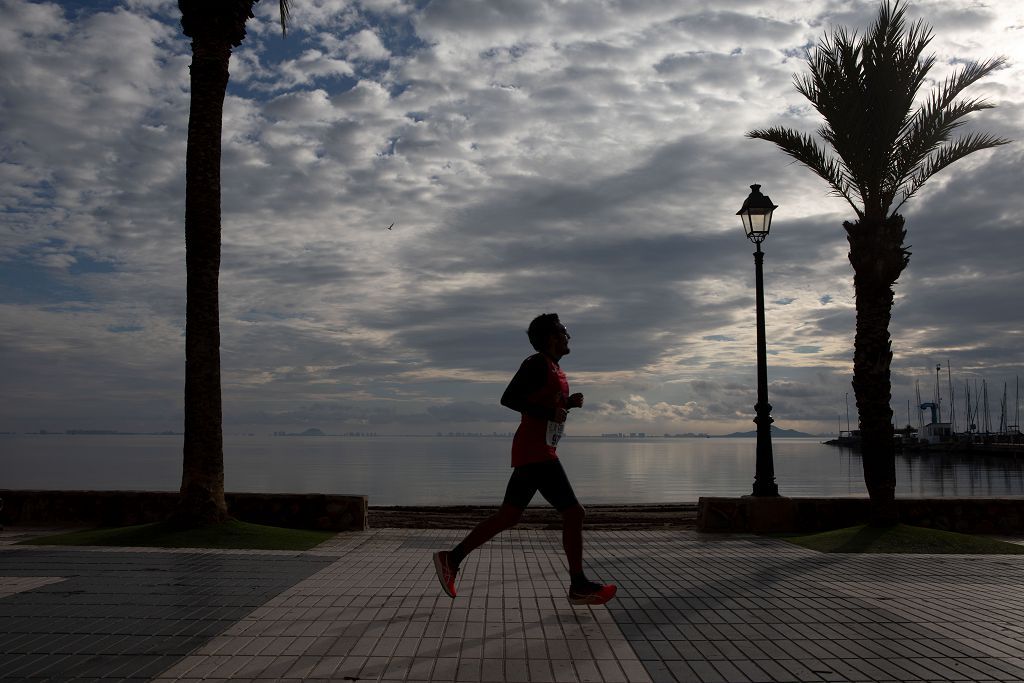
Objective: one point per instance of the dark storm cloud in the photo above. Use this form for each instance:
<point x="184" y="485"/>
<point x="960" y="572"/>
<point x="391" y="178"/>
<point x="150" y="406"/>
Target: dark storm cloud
<point x="633" y="287"/>
<point x="326" y="414"/>
<point x="960" y="293"/>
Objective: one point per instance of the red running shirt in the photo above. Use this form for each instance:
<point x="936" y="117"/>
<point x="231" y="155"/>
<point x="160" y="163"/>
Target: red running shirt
<point x="537" y="391"/>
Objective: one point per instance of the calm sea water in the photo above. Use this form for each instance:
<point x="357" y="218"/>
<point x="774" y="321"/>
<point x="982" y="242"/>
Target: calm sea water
<point x="466" y="470"/>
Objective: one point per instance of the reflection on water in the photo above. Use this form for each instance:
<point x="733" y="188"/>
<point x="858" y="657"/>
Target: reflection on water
<point x="959" y="475"/>
<point x="945" y="475"/>
<point x="441" y="470"/>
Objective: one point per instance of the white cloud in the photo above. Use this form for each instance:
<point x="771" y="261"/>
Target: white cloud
<point x="313" y="64"/>
<point x="366" y="45"/>
<point x="585" y="157"/>
<point x="639" y="410"/>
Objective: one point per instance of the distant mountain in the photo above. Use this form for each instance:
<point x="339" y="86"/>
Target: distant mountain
<point x="312" y="431"/>
<point x="776" y="431"/>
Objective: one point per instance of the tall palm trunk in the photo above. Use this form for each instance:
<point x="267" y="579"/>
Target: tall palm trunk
<point x="878" y="257"/>
<point x="202" y="482"/>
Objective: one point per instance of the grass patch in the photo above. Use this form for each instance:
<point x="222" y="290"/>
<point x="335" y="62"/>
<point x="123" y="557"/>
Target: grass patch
<point x="902" y="538"/>
<point x="232" y="534"/>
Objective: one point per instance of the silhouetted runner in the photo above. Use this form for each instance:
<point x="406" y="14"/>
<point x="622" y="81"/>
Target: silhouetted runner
<point x="540" y="392"/>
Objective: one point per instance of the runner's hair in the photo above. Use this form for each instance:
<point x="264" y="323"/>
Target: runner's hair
<point x="542" y="327"/>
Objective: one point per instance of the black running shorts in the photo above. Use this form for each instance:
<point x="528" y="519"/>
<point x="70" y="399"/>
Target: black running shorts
<point x="548" y="477"/>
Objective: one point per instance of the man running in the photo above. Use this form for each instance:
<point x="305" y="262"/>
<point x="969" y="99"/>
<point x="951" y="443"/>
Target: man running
<point x="540" y="392"/>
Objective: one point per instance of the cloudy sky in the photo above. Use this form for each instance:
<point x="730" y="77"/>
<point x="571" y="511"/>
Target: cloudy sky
<point x="585" y="157"/>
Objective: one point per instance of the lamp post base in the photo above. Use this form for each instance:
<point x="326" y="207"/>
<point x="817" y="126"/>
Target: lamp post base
<point x="764" y="467"/>
<point x="767" y="489"/>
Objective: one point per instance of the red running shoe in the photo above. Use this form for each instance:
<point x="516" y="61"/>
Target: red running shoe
<point x="446" y="573"/>
<point x="593" y="594"/>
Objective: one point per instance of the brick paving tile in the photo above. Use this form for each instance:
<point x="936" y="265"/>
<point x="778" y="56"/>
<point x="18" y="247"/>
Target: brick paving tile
<point x="516" y="670"/>
<point x="634" y="671"/>
<point x="492" y="670"/>
<point x="615" y="671"/>
<point x="1009" y="666"/>
<point x="659" y="672"/>
<point x="968" y="667"/>
<point x="468" y="670"/>
<point x="798" y="670"/>
<point x="707" y="649"/>
<point x="325" y="667"/>
<point x="587" y="671"/>
<point x="730" y="671"/>
<point x="990" y="648"/>
<point x="706" y="672"/>
<point x="875" y="670"/>
<point x="941" y="670"/>
<point x="366" y="606"/>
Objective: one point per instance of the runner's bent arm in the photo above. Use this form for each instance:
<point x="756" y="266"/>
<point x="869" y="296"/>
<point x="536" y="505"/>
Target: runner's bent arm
<point x="528" y="380"/>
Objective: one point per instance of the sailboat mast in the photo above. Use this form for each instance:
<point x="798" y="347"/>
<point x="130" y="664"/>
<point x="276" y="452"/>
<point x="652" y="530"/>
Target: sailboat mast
<point x="977" y="406"/>
<point x="988" y="421"/>
<point x="952" y="406"/>
<point x="920" y="423"/>
<point x="967" y="406"/>
<point x="848" y="411"/>
<point x="1002" y="412"/>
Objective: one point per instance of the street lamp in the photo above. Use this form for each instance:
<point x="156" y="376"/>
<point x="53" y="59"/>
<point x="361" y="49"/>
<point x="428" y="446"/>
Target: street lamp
<point x="757" y="221"/>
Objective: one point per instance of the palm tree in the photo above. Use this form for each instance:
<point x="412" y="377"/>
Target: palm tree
<point x="215" y="27"/>
<point x="883" y="149"/>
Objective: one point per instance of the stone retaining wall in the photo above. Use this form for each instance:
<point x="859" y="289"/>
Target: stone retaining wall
<point x="122" y="508"/>
<point x="768" y="515"/>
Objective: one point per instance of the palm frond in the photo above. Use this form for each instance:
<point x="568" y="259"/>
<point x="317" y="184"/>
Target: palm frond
<point x="834" y="87"/>
<point x="865" y="88"/>
<point x="946" y="155"/>
<point x="851" y="161"/>
<point x="944" y="96"/>
<point x="806" y="150"/>
<point x="285" y="15"/>
<point x="934" y="122"/>
<point x="894" y="71"/>
<point x="926" y="136"/>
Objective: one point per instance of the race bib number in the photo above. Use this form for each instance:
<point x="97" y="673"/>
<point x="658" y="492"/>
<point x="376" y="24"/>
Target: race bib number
<point x="555" y="432"/>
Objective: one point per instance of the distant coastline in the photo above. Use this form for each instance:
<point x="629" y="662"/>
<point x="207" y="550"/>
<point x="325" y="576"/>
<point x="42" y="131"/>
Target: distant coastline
<point x="95" y="432"/>
<point x="776" y="431"/>
<point x="316" y="432"/>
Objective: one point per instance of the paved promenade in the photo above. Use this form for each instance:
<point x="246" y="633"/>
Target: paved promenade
<point x="366" y="606"/>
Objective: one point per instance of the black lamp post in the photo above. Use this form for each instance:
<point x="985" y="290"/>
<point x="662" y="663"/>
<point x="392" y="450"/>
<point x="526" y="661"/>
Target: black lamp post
<point x="757" y="221"/>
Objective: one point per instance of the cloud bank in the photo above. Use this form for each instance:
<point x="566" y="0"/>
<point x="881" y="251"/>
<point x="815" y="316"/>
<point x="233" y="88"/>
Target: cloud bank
<point x="584" y="157"/>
